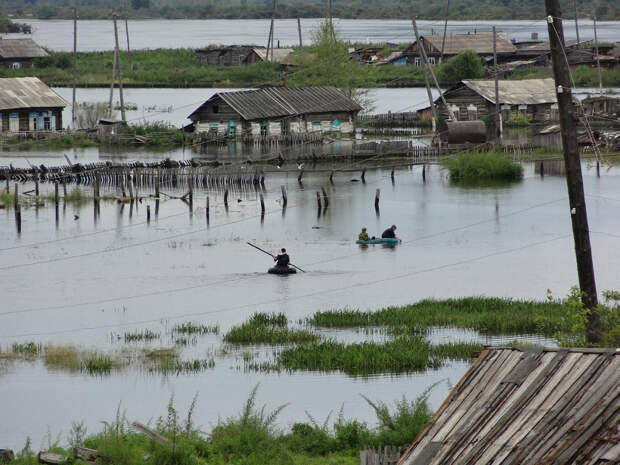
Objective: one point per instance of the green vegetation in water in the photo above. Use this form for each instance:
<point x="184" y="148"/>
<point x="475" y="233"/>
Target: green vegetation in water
<point x="518" y="119"/>
<point x="250" y="437"/>
<point x="264" y="328"/>
<point x="402" y="355"/>
<point x="483" y="166"/>
<point x="52" y="143"/>
<point x="144" y="335"/>
<point x="195" y="329"/>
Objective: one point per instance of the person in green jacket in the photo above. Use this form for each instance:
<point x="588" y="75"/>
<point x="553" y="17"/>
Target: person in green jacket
<point x="363" y="235"/>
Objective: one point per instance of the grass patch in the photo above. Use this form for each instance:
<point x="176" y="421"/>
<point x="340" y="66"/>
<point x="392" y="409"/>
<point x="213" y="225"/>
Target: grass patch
<point x="146" y="335"/>
<point x="402" y="355"/>
<point x="488" y="315"/>
<point x="62" y="357"/>
<point x="191" y="329"/>
<point x="98" y="364"/>
<point x="264" y="328"/>
<point x="481" y="166"/>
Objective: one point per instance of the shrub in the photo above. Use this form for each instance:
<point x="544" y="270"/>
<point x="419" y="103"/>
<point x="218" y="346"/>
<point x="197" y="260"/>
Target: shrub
<point x="476" y="166"/>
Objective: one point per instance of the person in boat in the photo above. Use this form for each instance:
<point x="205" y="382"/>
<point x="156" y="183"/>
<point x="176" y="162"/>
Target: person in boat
<point x="389" y="233"/>
<point x="282" y="260"/>
<point x="363" y="235"/>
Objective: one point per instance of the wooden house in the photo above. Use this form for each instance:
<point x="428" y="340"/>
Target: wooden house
<point x="19" y="53"/>
<point x="27" y="104"/>
<point x="601" y="105"/>
<point x="475" y="99"/>
<point x="366" y="55"/>
<point x="275" y="111"/>
<point x="259" y="54"/>
<point x="232" y="55"/>
<point x="528" y="406"/>
<point x="481" y="43"/>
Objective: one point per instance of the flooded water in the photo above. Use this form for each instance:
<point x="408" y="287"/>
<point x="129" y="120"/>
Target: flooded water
<point x="85" y="281"/>
<point x="150" y="34"/>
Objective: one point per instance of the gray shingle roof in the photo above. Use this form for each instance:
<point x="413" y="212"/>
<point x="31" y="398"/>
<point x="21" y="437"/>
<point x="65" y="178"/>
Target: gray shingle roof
<point x="522" y="92"/>
<point x="27" y="92"/>
<point x="481" y="43"/>
<point x="20" y="48"/>
<point x="273" y="102"/>
<point x="518" y="406"/>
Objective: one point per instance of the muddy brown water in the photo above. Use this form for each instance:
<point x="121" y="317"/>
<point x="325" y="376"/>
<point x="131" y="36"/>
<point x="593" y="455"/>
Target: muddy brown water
<point x="84" y="282"/>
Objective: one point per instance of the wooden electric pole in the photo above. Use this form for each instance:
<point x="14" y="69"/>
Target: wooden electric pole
<point x="119" y="69"/>
<point x="445" y="30"/>
<point x="498" y="116"/>
<point x="576" y="197"/>
<point x="110" y="102"/>
<point x="576" y="22"/>
<point x="73" y="103"/>
<point x="299" y="30"/>
<point x="431" y="101"/>
<point x="128" y="47"/>
<point x="598" y="61"/>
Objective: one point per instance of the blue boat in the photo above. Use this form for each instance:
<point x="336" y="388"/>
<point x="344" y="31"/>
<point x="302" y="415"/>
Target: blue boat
<point x="379" y="240"/>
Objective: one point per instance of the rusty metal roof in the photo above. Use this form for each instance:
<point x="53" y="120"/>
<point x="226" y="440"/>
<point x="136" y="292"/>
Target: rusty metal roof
<point x="481" y="43"/>
<point x="528" y="406"/>
<point x="273" y="102"/>
<point x="27" y="92"/>
<point x="520" y="92"/>
<point x="20" y="48"/>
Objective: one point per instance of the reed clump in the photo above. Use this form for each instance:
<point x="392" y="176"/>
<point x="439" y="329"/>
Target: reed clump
<point x="144" y="335"/>
<point x="191" y="329"/>
<point x="484" y="166"/>
<point x="268" y="328"/>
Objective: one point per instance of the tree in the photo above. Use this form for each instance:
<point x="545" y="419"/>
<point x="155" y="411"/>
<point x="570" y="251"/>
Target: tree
<point x="466" y="65"/>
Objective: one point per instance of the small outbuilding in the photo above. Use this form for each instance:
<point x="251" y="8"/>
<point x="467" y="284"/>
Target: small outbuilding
<point x="528" y="406"/>
<point x="276" y="111"/>
<point x="19" y="53"/>
<point x="601" y="105"/>
<point x="27" y="104"/>
<point x="226" y="56"/>
<point x="277" y="55"/>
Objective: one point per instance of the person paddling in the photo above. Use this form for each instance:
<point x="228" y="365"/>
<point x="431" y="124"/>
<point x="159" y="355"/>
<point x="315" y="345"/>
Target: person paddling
<point x="282" y="260"/>
<point x="390" y="234"/>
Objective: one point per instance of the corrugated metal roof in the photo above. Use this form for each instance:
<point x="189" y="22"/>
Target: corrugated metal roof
<point x="279" y="54"/>
<point x="27" y="92"/>
<point x="20" y="48"/>
<point x="528" y="407"/>
<point x="521" y="92"/>
<point x="481" y="43"/>
<point x="273" y="102"/>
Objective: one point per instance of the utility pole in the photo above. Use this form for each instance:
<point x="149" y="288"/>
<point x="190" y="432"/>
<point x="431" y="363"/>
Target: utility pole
<point x="576" y="22"/>
<point x="331" y="22"/>
<point x="119" y="69"/>
<point x="110" y="102"/>
<point x="598" y="61"/>
<point x="445" y="29"/>
<point x="270" y="38"/>
<point x="425" y="74"/>
<point x="498" y="116"/>
<point x="73" y="103"/>
<point x="574" y="181"/>
<point x="128" y="48"/>
<point x="430" y="69"/>
<point x="299" y="30"/>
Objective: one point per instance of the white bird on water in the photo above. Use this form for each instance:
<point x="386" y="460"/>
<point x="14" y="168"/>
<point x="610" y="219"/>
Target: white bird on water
<point x="300" y="166"/>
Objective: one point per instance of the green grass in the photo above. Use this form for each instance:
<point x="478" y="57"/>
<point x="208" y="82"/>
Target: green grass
<point x="402" y="355"/>
<point x="195" y="329"/>
<point x="488" y="315"/>
<point x="98" y="364"/>
<point x="144" y="335"/>
<point x="483" y="166"/>
<point x="264" y="328"/>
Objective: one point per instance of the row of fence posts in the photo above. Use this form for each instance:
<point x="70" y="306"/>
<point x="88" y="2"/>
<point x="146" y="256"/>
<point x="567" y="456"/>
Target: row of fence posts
<point x="322" y="198"/>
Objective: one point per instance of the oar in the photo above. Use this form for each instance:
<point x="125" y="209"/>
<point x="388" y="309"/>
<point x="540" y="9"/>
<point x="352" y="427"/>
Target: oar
<point x="272" y="255"/>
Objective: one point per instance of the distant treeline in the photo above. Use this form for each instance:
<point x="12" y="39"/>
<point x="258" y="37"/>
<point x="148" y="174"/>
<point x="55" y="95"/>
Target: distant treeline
<point x="6" y="25"/>
<point x="240" y="9"/>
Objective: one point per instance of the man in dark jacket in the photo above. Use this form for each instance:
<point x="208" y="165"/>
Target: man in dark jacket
<point x="389" y="233"/>
<point x="283" y="259"/>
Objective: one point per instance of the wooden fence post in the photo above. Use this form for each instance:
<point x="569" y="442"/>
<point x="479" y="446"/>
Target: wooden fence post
<point x="377" y="194"/>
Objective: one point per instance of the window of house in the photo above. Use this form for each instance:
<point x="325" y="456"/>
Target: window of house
<point x="431" y="60"/>
<point x="285" y="127"/>
<point x="416" y="61"/>
<point x="472" y="112"/>
<point x="16" y="65"/>
<point x="47" y="123"/>
<point x="264" y="128"/>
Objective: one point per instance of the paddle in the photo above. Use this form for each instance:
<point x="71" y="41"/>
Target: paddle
<point x="272" y="255"/>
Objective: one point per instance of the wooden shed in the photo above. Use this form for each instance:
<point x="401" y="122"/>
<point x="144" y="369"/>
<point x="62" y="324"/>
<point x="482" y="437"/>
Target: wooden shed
<point x="27" y="104"/>
<point x="19" y="53"/>
<point x="528" y="406"/>
<point x="275" y="111"/>
<point x="227" y="56"/>
<point x="475" y="99"/>
<point x="481" y="43"/>
<point x="601" y="105"/>
<point x="258" y="55"/>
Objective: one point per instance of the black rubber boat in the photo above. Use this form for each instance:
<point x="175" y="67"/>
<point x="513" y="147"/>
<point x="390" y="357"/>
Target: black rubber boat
<point x="282" y="270"/>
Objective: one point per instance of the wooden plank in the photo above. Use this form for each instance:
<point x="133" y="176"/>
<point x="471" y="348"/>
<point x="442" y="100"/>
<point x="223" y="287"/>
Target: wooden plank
<point x="154" y="435"/>
<point x="86" y="453"/>
<point x="51" y="458"/>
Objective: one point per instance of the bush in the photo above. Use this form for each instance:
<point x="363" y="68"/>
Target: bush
<point x="476" y="166"/>
<point x="466" y="65"/>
